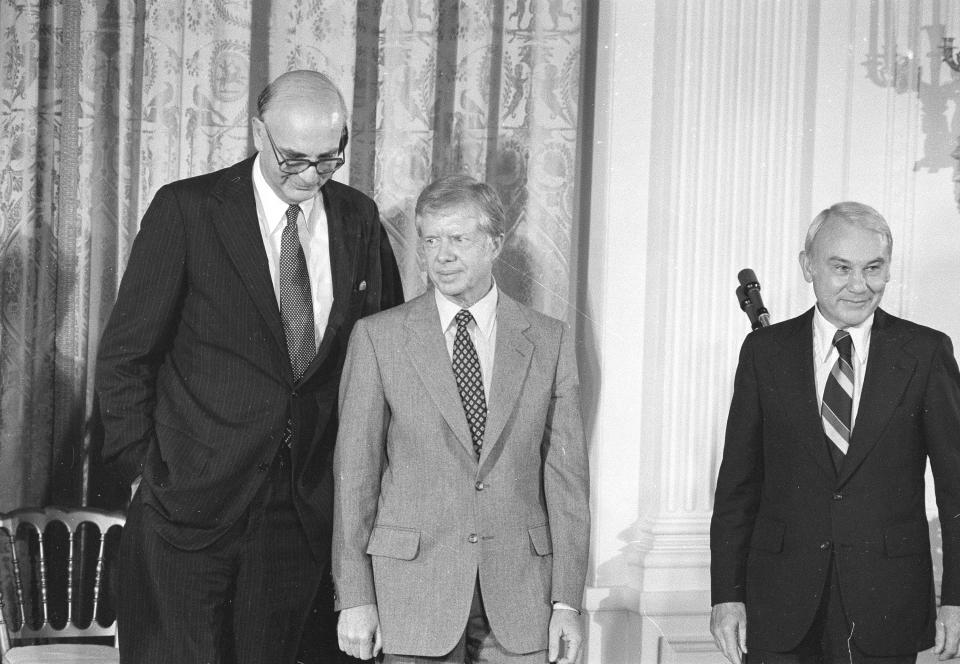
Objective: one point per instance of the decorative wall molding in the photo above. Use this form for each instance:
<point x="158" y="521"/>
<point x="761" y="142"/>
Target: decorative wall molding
<point x="629" y="627"/>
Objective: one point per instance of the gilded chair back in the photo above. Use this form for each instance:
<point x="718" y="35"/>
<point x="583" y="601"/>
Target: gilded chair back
<point x="58" y="571"/>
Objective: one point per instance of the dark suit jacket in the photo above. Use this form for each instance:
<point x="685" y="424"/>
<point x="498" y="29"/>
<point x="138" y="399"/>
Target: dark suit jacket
<point x="193" y="376"/>
<point x="781" y="510"/>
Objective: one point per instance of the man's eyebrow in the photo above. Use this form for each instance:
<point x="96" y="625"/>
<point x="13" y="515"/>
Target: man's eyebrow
<point x="847" y="261"/>
<point x="296" y="154"/>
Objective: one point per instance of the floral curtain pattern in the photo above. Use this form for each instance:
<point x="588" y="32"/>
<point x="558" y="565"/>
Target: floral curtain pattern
<point x="103" y="102"/>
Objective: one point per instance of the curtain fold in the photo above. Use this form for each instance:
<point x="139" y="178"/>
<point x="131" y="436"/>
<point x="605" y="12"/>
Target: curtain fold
<point x="31" y="58"/>
<point x="103" y="102"/>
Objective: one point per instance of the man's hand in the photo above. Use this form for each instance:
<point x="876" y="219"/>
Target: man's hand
<point x="358" y="631"/>
<point x="728" y="624"/>
<point x="565" y="625"/>
<point x="948" y="632"/>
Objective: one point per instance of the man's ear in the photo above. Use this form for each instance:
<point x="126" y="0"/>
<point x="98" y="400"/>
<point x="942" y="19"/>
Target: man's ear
<point x="805" y="266"/>
<point x="497" y="241"/>
<point x="256" y="128"/>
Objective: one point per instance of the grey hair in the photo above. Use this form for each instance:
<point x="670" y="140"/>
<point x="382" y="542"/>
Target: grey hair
<point x="849" y="212"/>
<point x="453" y="190"/>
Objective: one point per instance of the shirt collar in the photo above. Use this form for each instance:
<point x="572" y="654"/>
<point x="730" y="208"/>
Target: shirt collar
<point x="823" y="331"/>
<point x="484" y="310"/>
<point x="274" y="208"/>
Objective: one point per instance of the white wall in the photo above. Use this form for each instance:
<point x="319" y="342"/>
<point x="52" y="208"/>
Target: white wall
<point x="721" y="128"/>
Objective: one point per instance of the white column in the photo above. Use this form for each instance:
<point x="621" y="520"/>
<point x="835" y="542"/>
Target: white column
<point x="698" y="172"/>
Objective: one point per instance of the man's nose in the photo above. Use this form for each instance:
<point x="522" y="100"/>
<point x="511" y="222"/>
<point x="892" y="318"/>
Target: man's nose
<point x="310" y="176"/>
<point x="856" y="281"/>
<point x="445" y="253"/>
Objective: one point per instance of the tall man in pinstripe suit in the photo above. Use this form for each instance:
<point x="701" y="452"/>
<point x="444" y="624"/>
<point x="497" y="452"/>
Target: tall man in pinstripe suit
<point x="461" y="524"/>
<point x="218" y="377"/>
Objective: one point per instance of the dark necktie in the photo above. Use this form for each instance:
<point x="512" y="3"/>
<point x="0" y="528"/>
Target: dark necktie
<point x="296" y="304"/>
<point x="837" y="404"/>
<point x="466" y="369"/>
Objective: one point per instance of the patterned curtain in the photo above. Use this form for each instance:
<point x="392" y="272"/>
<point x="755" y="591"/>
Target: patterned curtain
<point x="104" y="101"/>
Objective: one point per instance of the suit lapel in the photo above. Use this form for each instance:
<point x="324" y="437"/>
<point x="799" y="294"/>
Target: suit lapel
<point x="888" y="371"/>
<point x="511" y="362"/>
<point x="429" y="356"/>
<point x="235" y="219"/>
<point x="344" y="239"/>
<point x="796" y="383"/>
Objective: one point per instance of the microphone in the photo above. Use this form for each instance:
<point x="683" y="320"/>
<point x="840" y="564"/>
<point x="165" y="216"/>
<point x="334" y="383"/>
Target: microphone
<point x="747" y="305"/>
<point x="750" y="285"/>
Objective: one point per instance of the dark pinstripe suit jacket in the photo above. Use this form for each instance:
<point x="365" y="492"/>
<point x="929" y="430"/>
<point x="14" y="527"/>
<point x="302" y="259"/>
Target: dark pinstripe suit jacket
<point x="193" y="377"/>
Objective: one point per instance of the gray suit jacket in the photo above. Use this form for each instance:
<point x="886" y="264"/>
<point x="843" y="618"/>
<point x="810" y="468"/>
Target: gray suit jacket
<point x="417" y="518"/>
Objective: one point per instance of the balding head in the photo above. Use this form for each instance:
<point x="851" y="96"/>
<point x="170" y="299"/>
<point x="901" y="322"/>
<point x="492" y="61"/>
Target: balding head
<point x="302" y="88"/>
<point x="303" y="118"/>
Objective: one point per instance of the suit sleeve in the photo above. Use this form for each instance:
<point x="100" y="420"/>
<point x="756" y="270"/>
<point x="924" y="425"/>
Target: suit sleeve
<point x="387" y="289"/>
<point x="941" y="431"/>
<point x="391" y="289"/>
<point x="566" y="479"/>
<point x="138" y="335"/>
<point x="357" y="466"/>
<point x="737" y="496"/>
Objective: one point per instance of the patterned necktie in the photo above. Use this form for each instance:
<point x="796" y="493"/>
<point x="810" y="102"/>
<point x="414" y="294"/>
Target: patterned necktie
<point x="296" y="304"/>
<point x="837" y="404"/>
<point x="466" y="369"/>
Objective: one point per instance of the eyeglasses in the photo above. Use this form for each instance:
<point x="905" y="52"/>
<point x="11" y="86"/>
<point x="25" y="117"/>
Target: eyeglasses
<point x="326" y="166"/>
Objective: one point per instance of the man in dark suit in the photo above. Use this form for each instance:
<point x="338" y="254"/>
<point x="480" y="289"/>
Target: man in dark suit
<point x="820" y="547"/>
<point x="218" y="379"/>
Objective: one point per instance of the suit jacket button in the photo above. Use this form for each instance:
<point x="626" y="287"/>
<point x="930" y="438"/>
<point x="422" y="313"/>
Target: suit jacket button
<point x="824" y="545"/>
<point x="480" y="486"/>
<point x="262" y="467"/>
<point x="838" y="496"/>
<point x="473" y="538"/>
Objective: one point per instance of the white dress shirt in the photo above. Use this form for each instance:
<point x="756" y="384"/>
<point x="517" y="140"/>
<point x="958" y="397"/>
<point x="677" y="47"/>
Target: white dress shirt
<point x="825" y="356"/>
<point x="314" y="238"/>
<point x="482" y="330"/>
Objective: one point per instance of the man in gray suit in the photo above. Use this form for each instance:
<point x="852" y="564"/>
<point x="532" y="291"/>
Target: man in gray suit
<point x="461" y="518"/>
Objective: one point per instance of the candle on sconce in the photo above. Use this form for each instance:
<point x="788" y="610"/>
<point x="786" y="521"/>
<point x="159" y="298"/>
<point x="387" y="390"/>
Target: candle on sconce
<point x="948" y="55"/>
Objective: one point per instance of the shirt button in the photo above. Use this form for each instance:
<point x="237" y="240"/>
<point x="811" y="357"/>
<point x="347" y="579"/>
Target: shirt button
<point x="473" y="538"/>
<point x="824" y="545"/>
<point x="480" y="486"/>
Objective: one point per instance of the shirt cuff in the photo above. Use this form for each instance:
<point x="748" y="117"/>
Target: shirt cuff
<point x="565" y="607"/>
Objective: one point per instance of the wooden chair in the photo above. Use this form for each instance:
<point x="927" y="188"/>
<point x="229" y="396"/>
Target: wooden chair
<point x="58" y="573"/>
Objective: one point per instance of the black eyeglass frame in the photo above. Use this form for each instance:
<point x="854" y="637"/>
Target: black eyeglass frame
<point x="302" y="165"/>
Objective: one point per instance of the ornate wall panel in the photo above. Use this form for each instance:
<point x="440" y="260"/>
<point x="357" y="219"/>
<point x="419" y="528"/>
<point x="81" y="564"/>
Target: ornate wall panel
<point x="762" y="113"/>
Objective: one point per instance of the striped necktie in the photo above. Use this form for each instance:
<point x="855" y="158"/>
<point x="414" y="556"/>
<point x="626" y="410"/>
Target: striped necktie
<point x="837" y="404"/>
